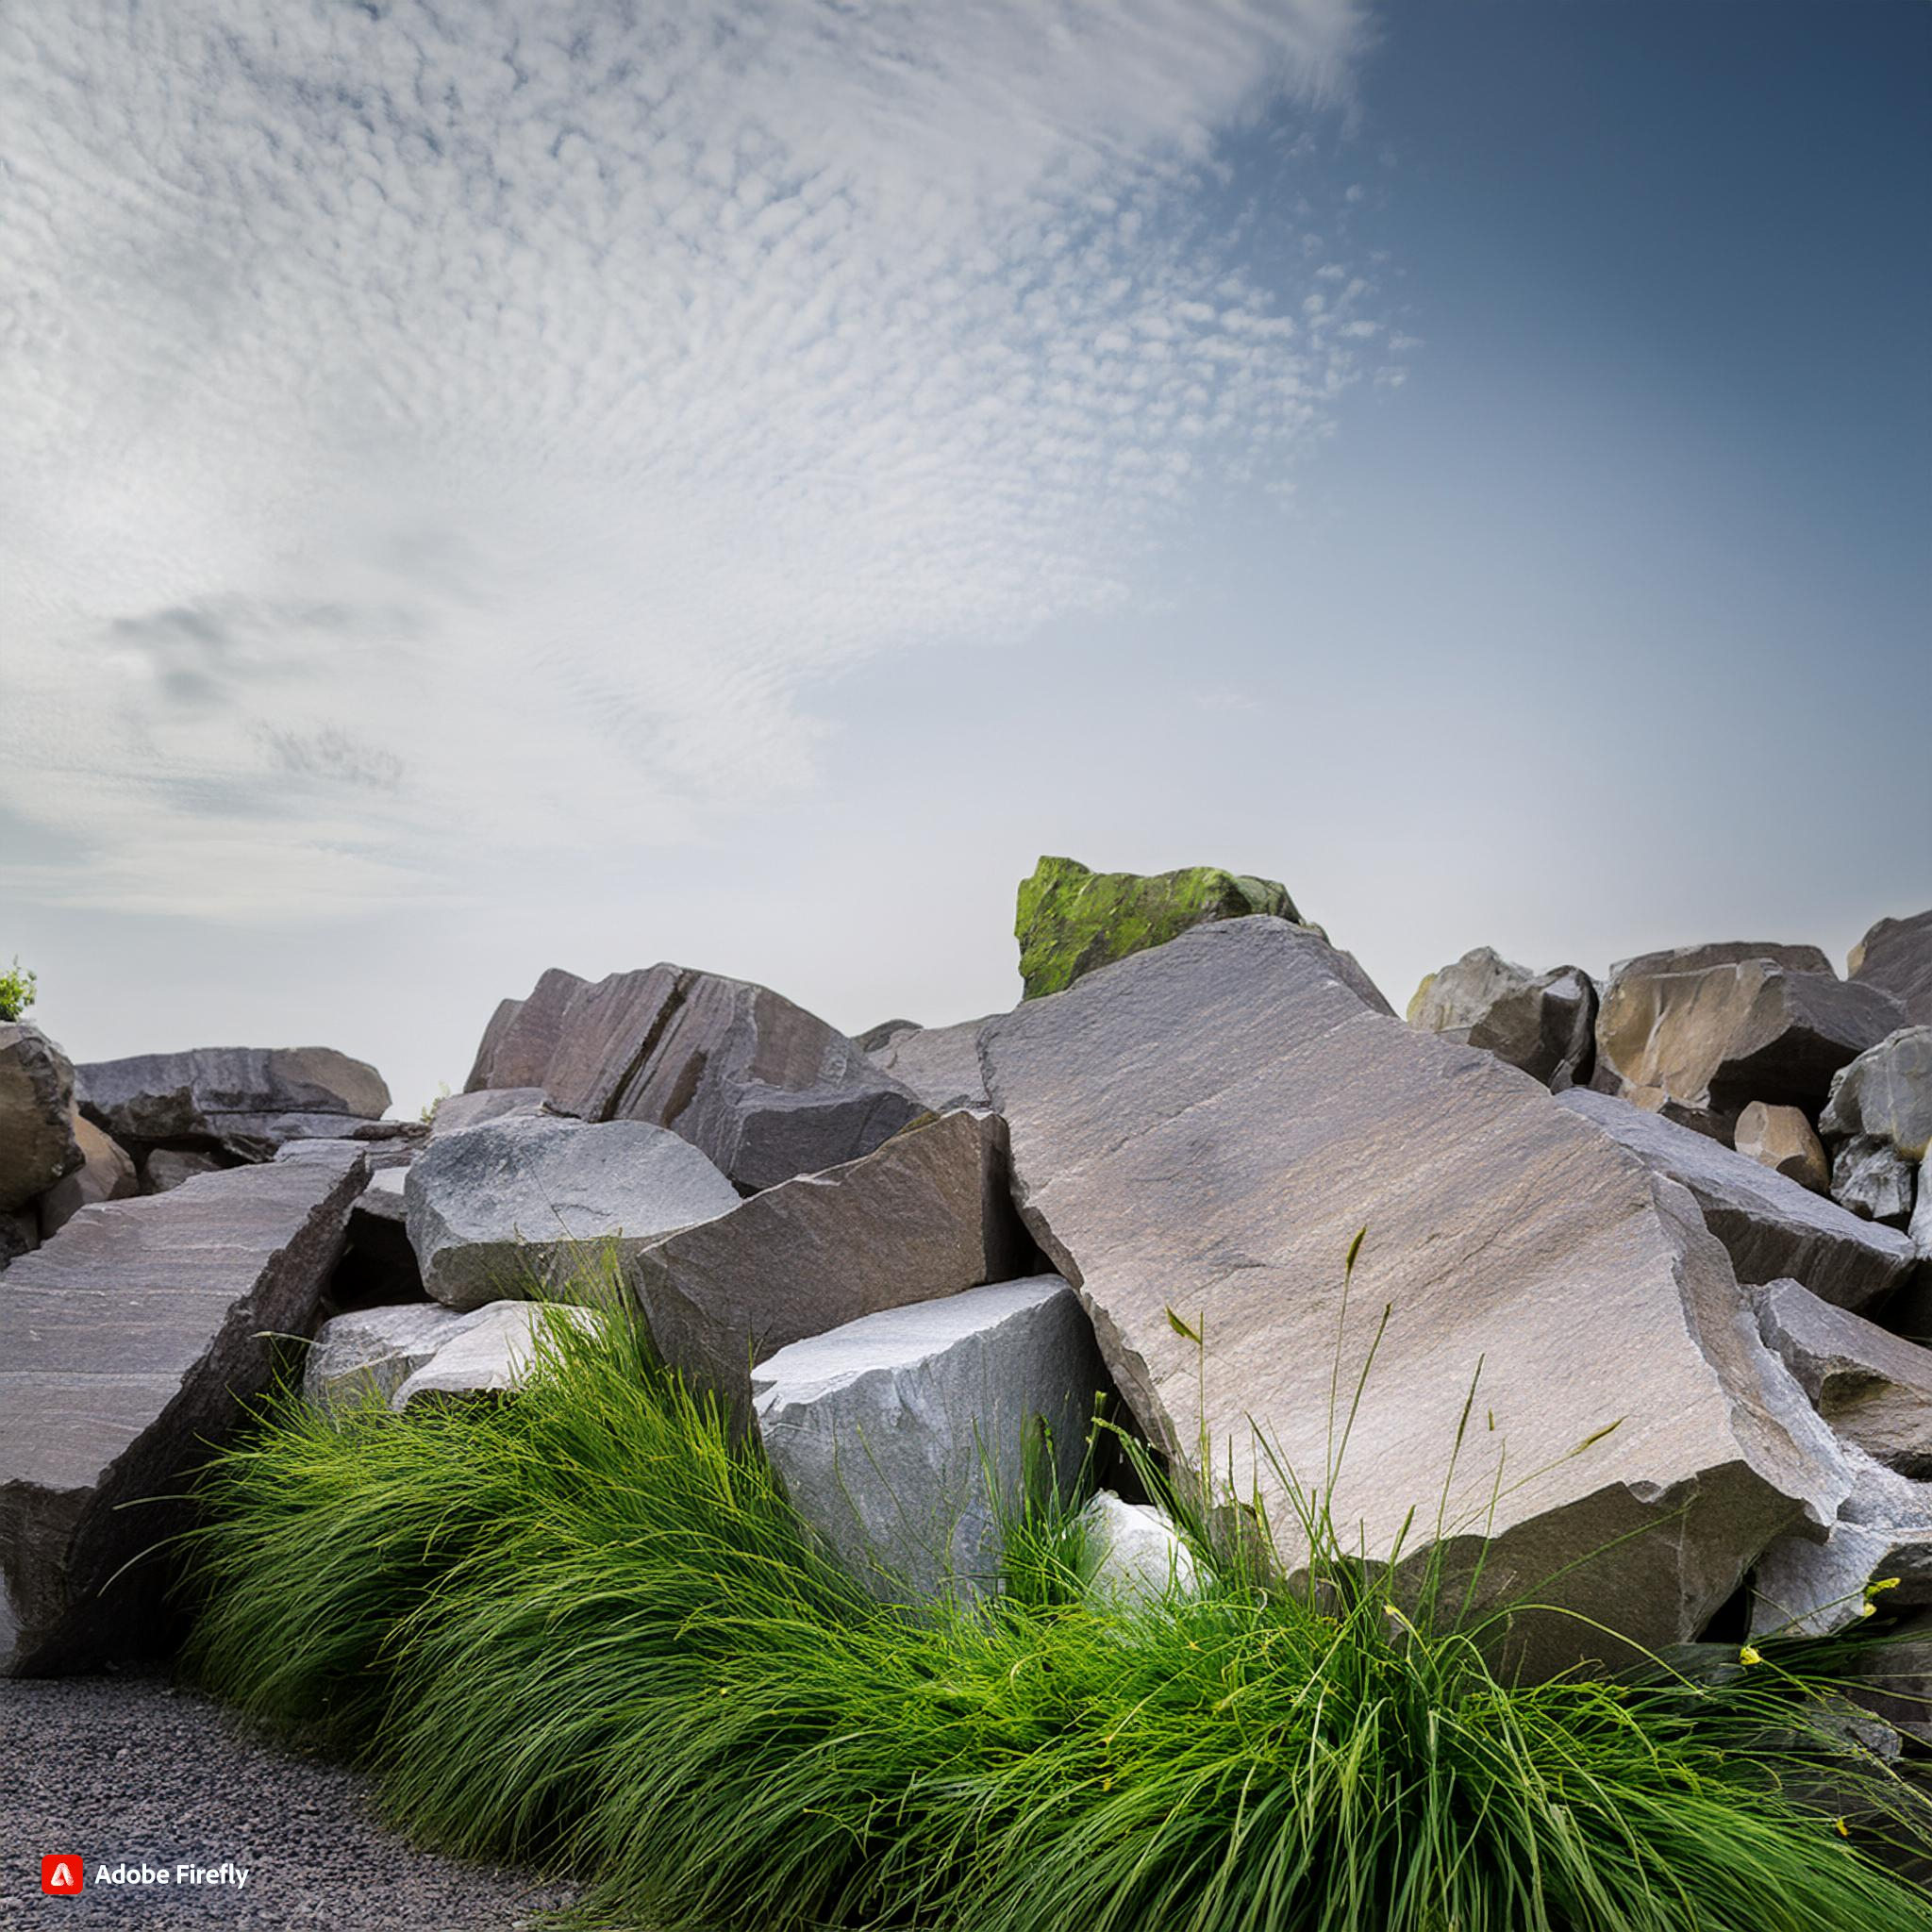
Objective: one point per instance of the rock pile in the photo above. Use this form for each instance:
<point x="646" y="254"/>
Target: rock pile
<point x="1636" y="1301"/>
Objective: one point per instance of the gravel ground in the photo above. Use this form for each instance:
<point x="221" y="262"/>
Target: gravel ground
<point x="132" y="1768"/>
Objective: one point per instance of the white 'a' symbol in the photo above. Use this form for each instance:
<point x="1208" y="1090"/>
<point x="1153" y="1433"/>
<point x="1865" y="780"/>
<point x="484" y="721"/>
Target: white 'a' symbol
<point x="62" y="1876"/>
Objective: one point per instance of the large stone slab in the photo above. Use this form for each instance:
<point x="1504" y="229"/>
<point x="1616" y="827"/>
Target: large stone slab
<point x="1198" y="1134"/>
<point x="1770" y="1225"/>
<point x="105" y="1173"/>
<point x="766" y="1089"/>
<point x="1543" y="1022"/>
<point x="127" y="1345"/>
<point x="1896" y="958"/>
<point x="247" y="1099"/>
<point x="941" y="1064"/>
<point x="923" y="1217"/>
<point x="520" y="1202"/>
<point x="1702" y="1031"/>
<point x="36" y="1143"/>
<point x="903" y="1435"/>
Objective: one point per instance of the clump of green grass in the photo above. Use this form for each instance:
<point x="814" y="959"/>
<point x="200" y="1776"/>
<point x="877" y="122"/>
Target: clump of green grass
<point x="585" y="1630"/>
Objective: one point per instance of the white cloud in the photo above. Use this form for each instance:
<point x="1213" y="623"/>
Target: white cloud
<point x="429" y="431"/>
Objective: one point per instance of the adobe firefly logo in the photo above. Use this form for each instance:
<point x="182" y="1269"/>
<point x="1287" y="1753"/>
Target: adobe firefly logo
<point x="61" y="1876"/>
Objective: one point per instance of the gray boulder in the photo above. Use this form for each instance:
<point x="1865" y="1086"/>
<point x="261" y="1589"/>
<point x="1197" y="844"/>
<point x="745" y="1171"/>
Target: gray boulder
<point x="36" y="1143"/>
<point x="941" y="1064"/>
<point x="163" y="1169"/>
<point x="1543" y="1022"/>
<point x="1886" y="1094"/>
<point x="523" y="1200"/>
<point x="923" y="1217"/>
<point x="1871" y="1179"/>
<point x="105" y="1173"/>
<point x="1199" y="1132"/>
<point x="1896" y="958"/>
<point x="368" y="1354"/>
<point x="765" y="1089"/>
<point x="457" y="1112"/>
<point x="1702" y="1031"/>
<point x="1132" y="1553"/>
<point x="1883" y="1535"/>
<point x="128" y="1347"/>
<point x="1770" y="1226"/>
<point x="1781" y="1139"/>
<point x="903" y="1435"/>
<point x="490" y="1354"/>
<point x="244" y="1100"/>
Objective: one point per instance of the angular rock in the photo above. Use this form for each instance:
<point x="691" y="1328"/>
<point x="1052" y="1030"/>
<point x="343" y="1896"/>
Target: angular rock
<point x="900" y="1437"/>
<point x="128" y="1347"/>
<point x="381" y="1156"/>
<point x="941" y="1064"/>
<point x="457" y="1112"/>
<point x="165" y="1167"/>
<point x="921" y="1218"/>
<point x="36" y="1143"/>
<point x="884" y="1034"/>
<point x="1704" y="1030"/>
<point x="1543" y="1022"/>
<point x="492" y="1355"/>
<point x="383" y="1198"/>
<point x="523" y="1201"/>
<point x="1896" y="958"/>
<point x="1781" y="1139"/>
<point x="764" y="1088"/>
<point x="1871" y="1386"/>
<point x="1886" y="1094"/>
<point x="1199" y="1132"/>
<point x="1883" y="1535"/>
<point x="1770" y="1225"/>
<point x="368" y="1355"/>
<point x="1132" y="1553"/>
<point x="244" y="1100"/>
<point x="105" y="1173"/>
<point x="1871" y="1180"/>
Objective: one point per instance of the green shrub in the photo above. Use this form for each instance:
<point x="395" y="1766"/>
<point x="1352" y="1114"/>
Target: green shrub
<point x="16" y="990"/>
<point x="583" y="1630"/>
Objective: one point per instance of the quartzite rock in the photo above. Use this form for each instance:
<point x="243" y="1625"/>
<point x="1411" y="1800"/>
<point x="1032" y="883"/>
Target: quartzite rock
<point x="1886" y="1094"/>
<point x="1704" y="1030"/>
<point x="1071" y="919"/>
<point x="764" y="1088"/>
<point x="1770" y="1226"/>
<point x="1199" y="1132"/>
<point x="1132" y="1554"/>
<point x="36" y="1143"/>
<point x="1896" y="957"/>
<point x="924" y="1216"/>
<point x="492" y="1353"/>
<point x="1872" y="1180"/>
<point x="105" y="1173"/>
<point x="128" y="1347"/>
<point x="902" y="1436"/>
<point x="1781" y="1139"/>
<point x="367" y="1356"/>
<point x="246" y="1100"/>
<point x="941" y="1064"/>
<point x="1543" y="1022"/>
<point x="523" y="1201"/>
<point x="1805" y="1588"/>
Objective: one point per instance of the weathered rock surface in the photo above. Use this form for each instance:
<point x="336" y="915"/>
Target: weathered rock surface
<point x="1886" y="1094"/>
<point x="1883" y="1534"/>
<point x="1781" y="1139"/>
<point x="1132" y="1553"/>
<point x="1071" y="919"/>
<point x="898" y="1434"/>
<point x="36" y="1143"/>
<point x="1872" y="1387"/>
<point x="1198" y="1132"/>
<point x="1544" y="1023"/>
<point x="520" y="1201"/>
<point x="367" y="1356"/>
<point x="884" y="1034"/>
<point x="1770" y="1226"/>
<point x="491" y="1354"/>
<point x="456" y="1111"/>
<point x="923" y="1217"/>
<point x="1703" y="1031"/>
<point x="245" y="1100"/>
<point x="105" y="1173"/>
<point x="941" y="1064"/>
<point x="1896" y="958"/>
<point x="765" y="1089"/>
<point x="1871" y="1180"/>
<point x="163" y="1169"/>
<point x="126" y="1345"/>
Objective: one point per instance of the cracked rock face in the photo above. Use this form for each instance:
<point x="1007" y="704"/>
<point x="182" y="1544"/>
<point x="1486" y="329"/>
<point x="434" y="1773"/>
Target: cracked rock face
<point x="765" y="1089"/>
<point x="1543" y="1022"/>
<point x="1198" y="1132"/>
<point x="37" y="1142"/>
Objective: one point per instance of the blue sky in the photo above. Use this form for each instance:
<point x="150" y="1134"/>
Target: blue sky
<point x="503" y="486"/>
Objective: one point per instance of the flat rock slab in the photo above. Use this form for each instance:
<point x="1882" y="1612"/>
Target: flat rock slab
<point x="941" y="1064"/>
<point x="127" y="1345"/>
<point x="1770" y="1226"/>
<point x="37" y="1142"/>
<point x="246" y="1099"/>
<point x="1199" y="1132"/>
<point x="903" y="1435"/>
<point x="765" y="1089"/>
<point x="522" y="1202"/>
<point x="926" y="1215"/>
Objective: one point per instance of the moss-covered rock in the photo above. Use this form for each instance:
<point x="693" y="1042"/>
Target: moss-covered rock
<point x="1071" y="920"/>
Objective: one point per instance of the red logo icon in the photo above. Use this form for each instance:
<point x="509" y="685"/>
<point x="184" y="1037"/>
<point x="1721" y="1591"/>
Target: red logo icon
<point x="61" y="1876"/>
